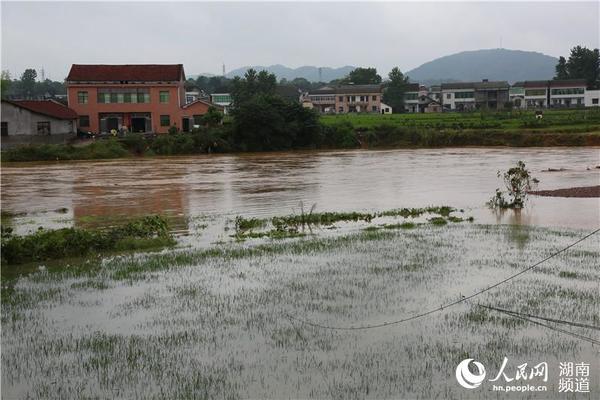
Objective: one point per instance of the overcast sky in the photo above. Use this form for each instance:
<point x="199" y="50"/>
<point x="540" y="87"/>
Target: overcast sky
<point x="202" y="36"/>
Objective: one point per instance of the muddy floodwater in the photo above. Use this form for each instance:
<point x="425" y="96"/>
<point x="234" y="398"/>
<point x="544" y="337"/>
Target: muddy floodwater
<point x="223" y="186"/>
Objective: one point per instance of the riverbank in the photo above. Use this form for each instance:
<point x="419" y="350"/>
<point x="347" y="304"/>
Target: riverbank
<point x="340" y="137"/>
<point x="518" y="129"/>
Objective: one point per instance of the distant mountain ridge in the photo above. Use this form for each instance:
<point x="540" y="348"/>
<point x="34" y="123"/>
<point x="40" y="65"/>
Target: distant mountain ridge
<point x="492" y="64"/>
<point x="310" y="73"/>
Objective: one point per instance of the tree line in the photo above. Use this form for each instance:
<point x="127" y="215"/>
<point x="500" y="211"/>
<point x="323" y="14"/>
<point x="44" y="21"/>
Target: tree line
<point x="583" y="63"/>
<point x="27" y="86"/>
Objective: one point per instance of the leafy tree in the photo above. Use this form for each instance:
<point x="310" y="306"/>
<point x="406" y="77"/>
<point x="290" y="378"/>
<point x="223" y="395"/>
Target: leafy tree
<point x="583" y="63"/>
<point x="213" y="84"/>
<point x="268" y="122"/>
<point x="263" y="120"/>
<point x="396" y="87"/>
<point x="561" y="69"/>
<point x="362" y="76"/>
<point x="5" y="83"/>
<point x="28" y="82"/>
<point x="213" y="117"/>
<point x="253" y="83"/>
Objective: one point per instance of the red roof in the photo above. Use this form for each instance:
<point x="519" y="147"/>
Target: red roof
<point x="50" y="108"/>
<point x="136" y="73"/>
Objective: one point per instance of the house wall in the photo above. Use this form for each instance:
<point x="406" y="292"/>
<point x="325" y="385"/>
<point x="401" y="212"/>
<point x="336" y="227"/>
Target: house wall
<point x="155" y="107"/>
<point x="450" y="101"/>
<point x="188" y="112"/>
<point x="486" y="98"/>
<point x="372" y="100"/>
<point x="592" y="98"/>
<point x="22" y="122"/>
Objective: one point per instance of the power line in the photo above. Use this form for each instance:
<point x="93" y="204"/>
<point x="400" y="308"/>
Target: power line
<point x="566" y="332"/>
<point x="441" y="308"/>
<point x="557" y="321"/>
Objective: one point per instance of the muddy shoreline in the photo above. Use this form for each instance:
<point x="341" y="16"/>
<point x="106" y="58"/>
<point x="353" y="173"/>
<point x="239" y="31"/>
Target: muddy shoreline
<point x="581" y="192"/>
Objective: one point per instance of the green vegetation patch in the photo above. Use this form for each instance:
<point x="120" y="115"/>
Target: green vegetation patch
<point x="143" y="233"/>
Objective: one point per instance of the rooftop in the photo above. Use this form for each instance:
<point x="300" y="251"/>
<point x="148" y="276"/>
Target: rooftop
<point x="348" y="89"/>
<point x="551" y="83"/>
<point x="483" y="85"/>
<point x="49" y="108"/>
<point x="129" y="72"/>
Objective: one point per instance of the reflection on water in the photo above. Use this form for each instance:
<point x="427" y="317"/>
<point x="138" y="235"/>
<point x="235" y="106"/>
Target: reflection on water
<point x="276" y="183"/>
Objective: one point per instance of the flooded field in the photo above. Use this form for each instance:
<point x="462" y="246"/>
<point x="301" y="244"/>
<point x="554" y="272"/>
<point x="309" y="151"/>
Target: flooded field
<point x="219" y="318"/>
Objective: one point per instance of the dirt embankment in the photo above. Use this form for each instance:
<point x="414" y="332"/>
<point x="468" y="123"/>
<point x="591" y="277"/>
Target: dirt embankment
<point x="585" y="191"/>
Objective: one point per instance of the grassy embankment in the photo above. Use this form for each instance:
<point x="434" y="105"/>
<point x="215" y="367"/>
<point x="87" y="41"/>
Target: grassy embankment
<point x="517" y="128"/>
<point x="212" y="323"/>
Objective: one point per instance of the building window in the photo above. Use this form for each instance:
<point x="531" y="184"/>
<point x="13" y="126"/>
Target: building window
<point x="221" y="98"/>
<point x="165" y="120"/>
<point x="464" y="95"/>
<point x="374" y="108"/>
<point x="82" y="97"/>
<point x="164" y="96"/>
<point x="594" y="101"/>
<point x="84" y="120"/>
<point x="374" y="98"/>
<point x="106" y="96"/>
<point x="448" y="95"/>
<point x="558" y="92"/>
<point x="411" y="96"/>
<point x="5" y="128"/>
<point x="197" y="119"/>
<point x="535" y="92"/>
<point x="341" y="109"/>
<point x="43" y="128"/>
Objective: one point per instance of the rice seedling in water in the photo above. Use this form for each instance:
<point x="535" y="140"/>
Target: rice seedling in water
<point x="211" y="323"/>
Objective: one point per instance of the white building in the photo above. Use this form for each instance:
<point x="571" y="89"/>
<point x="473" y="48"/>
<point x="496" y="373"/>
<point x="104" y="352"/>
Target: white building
<point x="458" y="96"/>
<point x="592" y="98"/>
<point x="553" y="94"/>
<point x="223" y="100"/>
<point x="385" y="109"/>
<point x="411" y="98"/>
<point x="36" y="121"/>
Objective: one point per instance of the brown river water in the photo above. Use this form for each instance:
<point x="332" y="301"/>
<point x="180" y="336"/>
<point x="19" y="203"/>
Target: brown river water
<point x="267" y="184"/>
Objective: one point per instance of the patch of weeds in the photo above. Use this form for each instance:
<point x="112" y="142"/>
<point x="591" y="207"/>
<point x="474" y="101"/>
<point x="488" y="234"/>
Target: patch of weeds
<point x="90" y="284"/>
<point x="143" y="233"/>
<point x="439" y="221"/>
<point x="244" y="224"/>
<point x="417" y="212"/>
<point x="325" y="218"/>
<point x="568" y="274"/>
<point x="272" y="234"/>
<point x="452" y="218"/>
<point x="404" y="225"/>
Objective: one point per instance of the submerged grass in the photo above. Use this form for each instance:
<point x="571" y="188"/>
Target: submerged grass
<point x="211" y="323"/>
